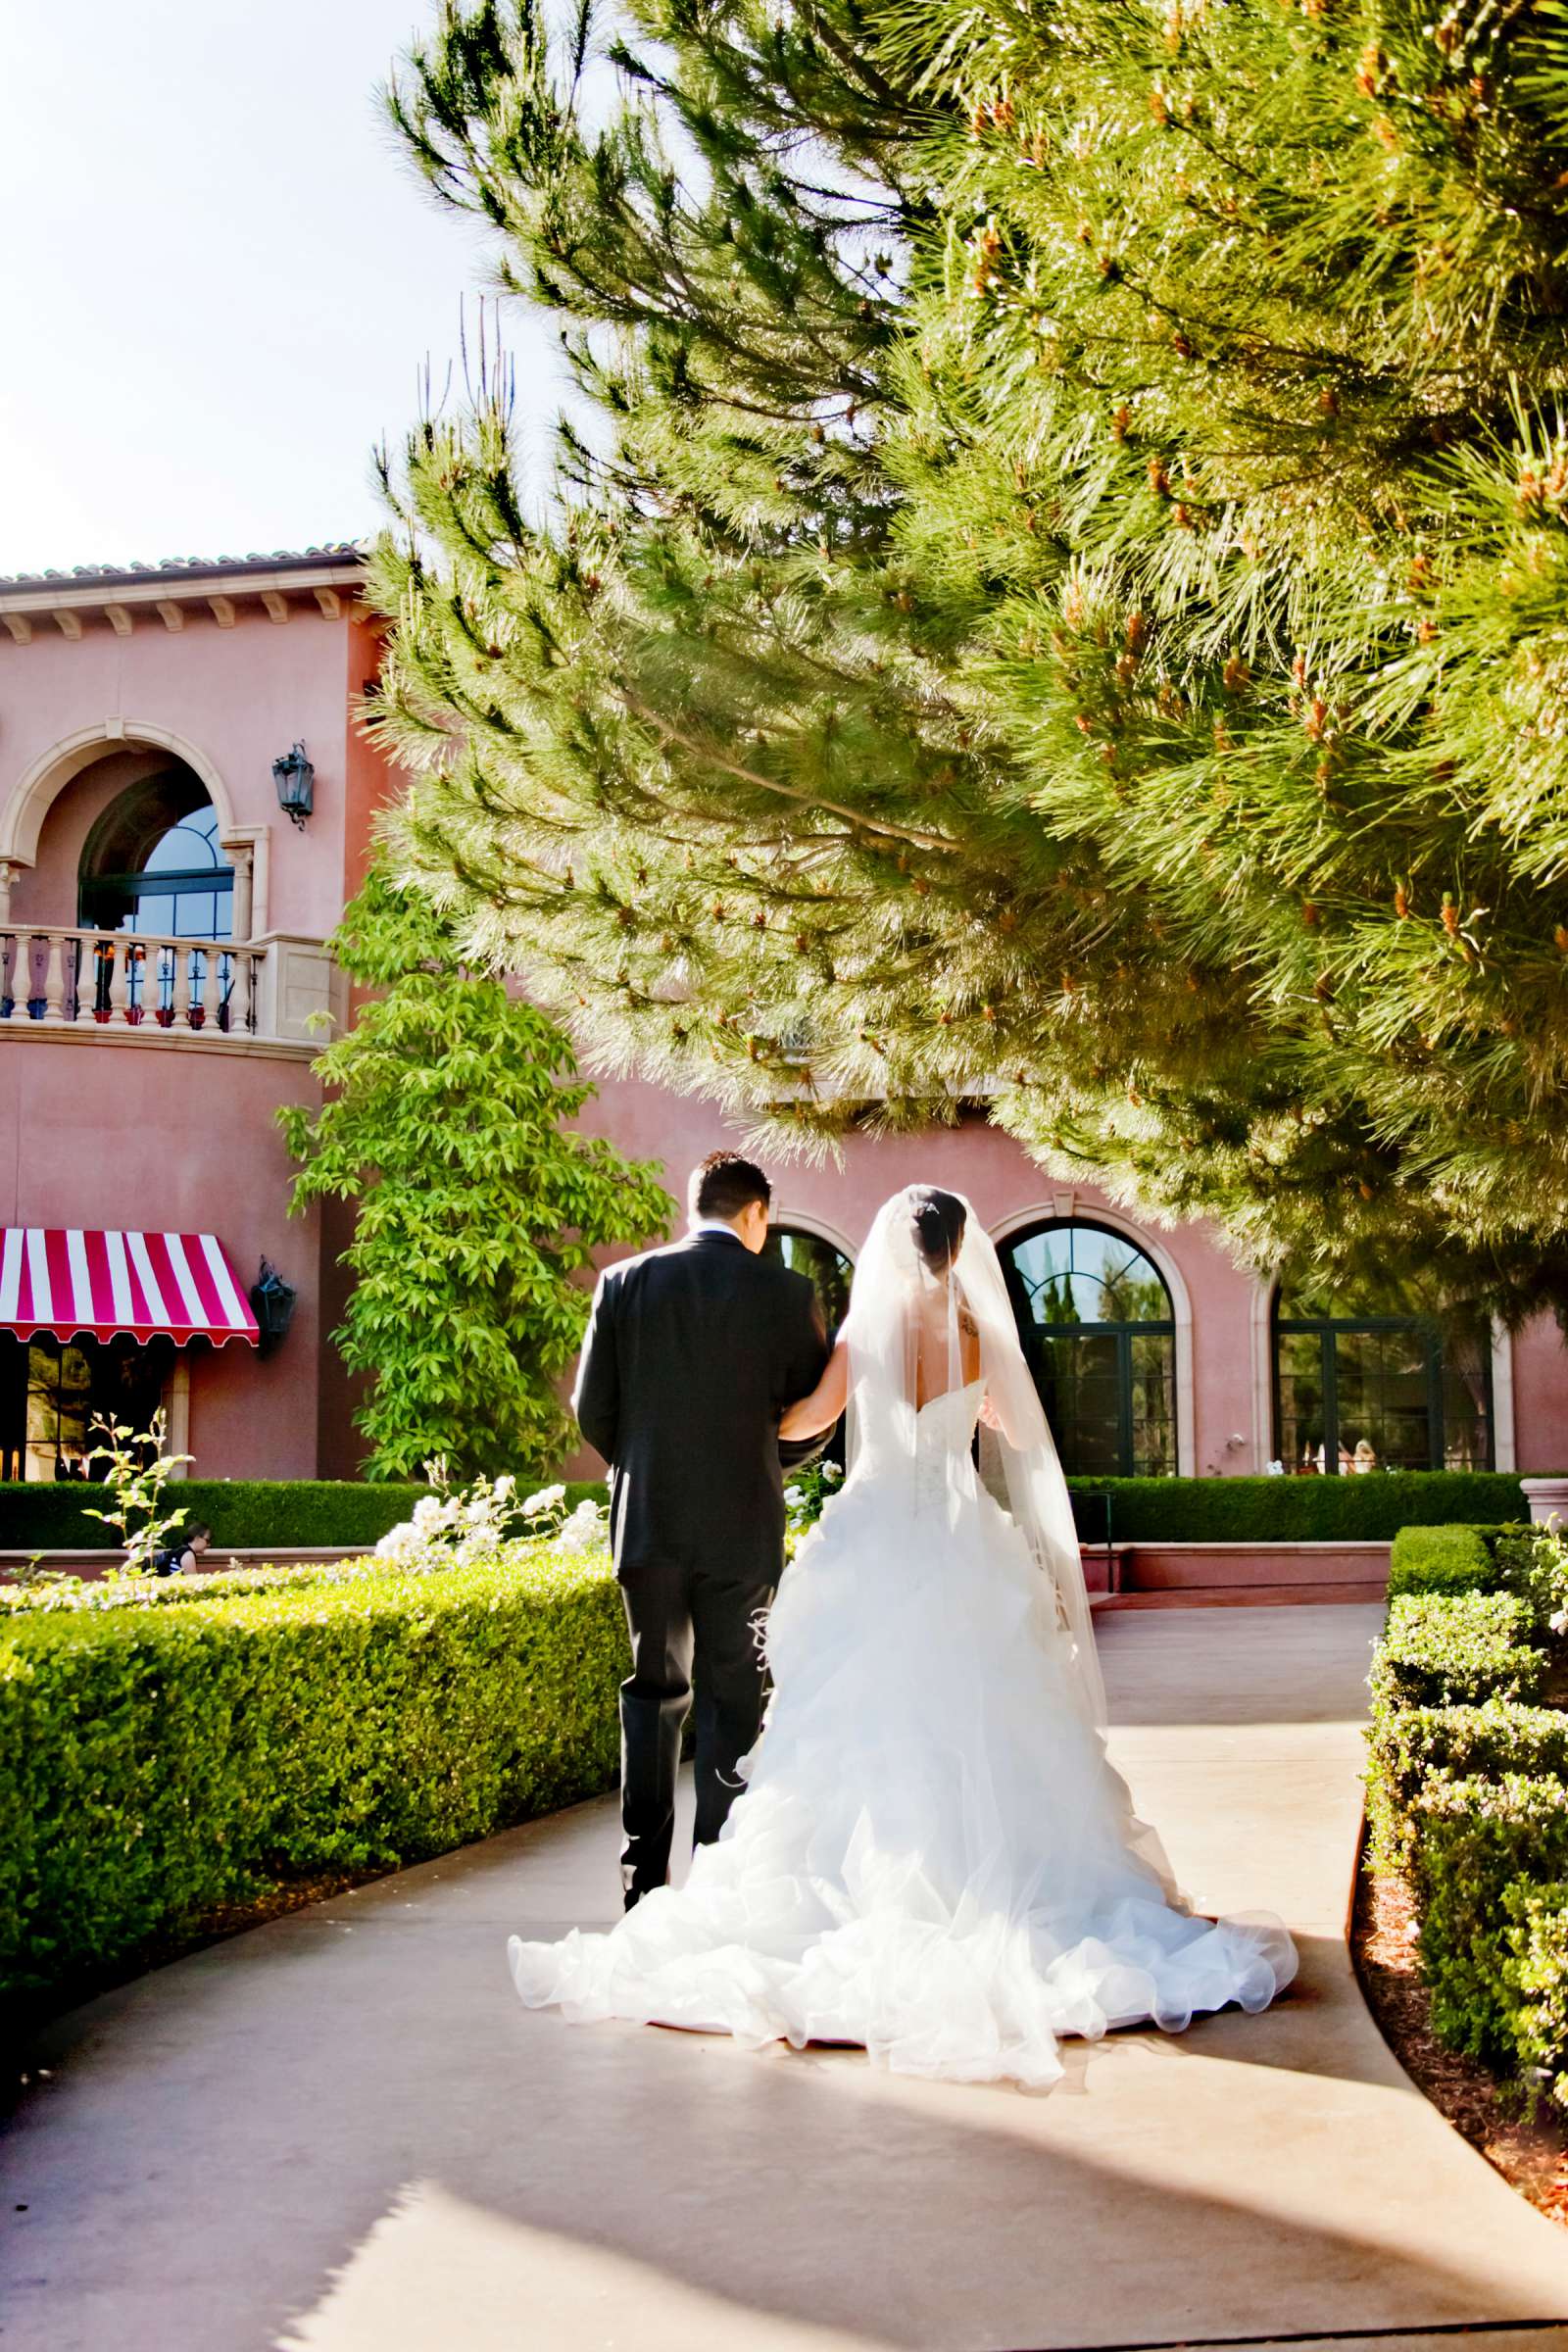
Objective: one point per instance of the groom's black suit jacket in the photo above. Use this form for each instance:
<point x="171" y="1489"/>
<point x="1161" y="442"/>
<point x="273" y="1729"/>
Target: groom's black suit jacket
<point x="691" y="1354"/>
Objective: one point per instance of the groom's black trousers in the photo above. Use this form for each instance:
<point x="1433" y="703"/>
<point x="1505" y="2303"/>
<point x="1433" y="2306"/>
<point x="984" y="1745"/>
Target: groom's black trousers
<point x="680" y="1613"/>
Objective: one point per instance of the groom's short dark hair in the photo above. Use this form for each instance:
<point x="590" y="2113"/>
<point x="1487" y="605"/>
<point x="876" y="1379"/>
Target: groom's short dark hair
<point x="723" y="1184"/>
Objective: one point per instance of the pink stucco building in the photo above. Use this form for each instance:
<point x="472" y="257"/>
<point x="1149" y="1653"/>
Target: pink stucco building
<point x="164" y="982"/>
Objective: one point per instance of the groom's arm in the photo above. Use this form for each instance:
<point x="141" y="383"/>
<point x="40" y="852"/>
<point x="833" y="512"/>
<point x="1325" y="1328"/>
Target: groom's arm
<point x="596" y="1400"/>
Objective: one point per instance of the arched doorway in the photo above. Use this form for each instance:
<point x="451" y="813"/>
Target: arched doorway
<point x="1098" y="1330"/>
<point x="1369" y="1378"/>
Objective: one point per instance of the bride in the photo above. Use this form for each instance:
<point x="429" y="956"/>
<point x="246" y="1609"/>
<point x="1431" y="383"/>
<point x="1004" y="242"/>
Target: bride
<point x="932" y="1857"/>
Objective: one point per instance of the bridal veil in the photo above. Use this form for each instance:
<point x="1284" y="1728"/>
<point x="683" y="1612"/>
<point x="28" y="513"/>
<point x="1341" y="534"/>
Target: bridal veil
<point x="917" y="1328"/>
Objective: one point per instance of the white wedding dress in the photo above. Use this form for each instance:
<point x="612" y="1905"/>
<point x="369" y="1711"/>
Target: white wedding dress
<point x="932" y="1857"/>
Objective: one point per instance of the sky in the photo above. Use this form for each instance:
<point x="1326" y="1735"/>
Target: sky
<point x="220" y="282"/>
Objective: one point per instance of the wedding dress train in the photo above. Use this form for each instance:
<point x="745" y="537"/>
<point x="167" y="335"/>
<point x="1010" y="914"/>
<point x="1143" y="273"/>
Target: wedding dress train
<point x="932" y="1857"/>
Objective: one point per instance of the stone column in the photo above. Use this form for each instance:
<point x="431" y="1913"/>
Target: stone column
<point x="243" y="855"/>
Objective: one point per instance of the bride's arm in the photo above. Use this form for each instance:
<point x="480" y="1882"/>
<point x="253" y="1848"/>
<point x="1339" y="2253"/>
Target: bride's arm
<point x="809" y="1415"/>
<point x="993" y="1418"/>
<point x="991" y="1413"/>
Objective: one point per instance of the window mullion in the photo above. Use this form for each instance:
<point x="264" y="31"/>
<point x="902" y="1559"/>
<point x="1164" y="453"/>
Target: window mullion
<point x="1331" y="1406"/>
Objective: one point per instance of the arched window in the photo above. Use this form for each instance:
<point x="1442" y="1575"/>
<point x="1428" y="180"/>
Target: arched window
<point x="1098" y="1329"/>
<point x="1369" y="1379"/>
<point x="826" y="1267"/>
<point x="152" y="864"/>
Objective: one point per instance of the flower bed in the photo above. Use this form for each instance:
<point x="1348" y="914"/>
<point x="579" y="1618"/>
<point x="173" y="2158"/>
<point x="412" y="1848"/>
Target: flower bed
<point x="1467" y="1787"/>
<point x="180" y="1746"/>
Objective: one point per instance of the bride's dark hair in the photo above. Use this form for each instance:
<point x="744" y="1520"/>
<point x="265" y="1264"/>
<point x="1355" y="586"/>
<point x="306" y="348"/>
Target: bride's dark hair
<point x="939" y="1219"/>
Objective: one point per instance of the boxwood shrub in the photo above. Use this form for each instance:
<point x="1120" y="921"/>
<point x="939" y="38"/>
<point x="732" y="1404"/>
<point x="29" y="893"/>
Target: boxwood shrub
<point x="1473" y="1840"/>
<point x="1455" y="1649"/>
<point x="160" y="1761"/>
<point x="1443" y="1559"/>
<point x="1535" y="1985"/>
<point x="244" y="1514"/>
<point x="1408" y="1746"/>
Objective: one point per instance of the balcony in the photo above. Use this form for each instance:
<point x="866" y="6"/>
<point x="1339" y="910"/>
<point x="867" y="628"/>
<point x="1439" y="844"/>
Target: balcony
<point x="274" y="993"/>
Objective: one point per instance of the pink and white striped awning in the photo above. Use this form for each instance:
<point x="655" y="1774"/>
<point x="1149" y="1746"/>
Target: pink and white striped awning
<point x="75" y="1282"/>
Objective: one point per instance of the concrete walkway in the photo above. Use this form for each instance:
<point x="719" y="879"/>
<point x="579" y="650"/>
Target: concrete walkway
<point x="342" y="2133"/>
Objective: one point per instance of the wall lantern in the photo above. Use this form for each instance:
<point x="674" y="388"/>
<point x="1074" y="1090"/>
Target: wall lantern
<point x="295" y="779"/>
<point x="272" y="1303"/>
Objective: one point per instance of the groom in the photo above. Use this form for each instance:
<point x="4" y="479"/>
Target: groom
<point x="693" y="1352"/>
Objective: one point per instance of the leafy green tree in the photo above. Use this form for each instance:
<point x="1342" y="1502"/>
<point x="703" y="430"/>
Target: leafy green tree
<point x="478" y="1208"/>
<point x="1063" y="604"/>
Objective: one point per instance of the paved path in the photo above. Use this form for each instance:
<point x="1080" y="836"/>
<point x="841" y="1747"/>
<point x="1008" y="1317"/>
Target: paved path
<point x="342" y="2133"/>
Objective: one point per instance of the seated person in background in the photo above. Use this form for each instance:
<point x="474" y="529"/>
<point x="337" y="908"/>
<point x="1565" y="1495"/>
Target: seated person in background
<point x="184" y="1550"/>
<point x="1366" y="1456"/>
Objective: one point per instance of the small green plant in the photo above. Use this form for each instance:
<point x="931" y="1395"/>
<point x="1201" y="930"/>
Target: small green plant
<point x="807" y="1494"/>
<point x="136" y="1472"/>
<point x="1444" y="1560"/>
<point x="1533" y="1561"/>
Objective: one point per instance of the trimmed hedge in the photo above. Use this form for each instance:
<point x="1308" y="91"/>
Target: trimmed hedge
<point x="1474" y="1840"/>
<point x="158" y="1762"/>
<point x="1411" y="1745"/>
<point x="1292" y="1510"/>
<point x="244" y="1514"/>
<point x="1455" y="1649"/>
<point x="294" y="1513"/>
<point x="1467" y="1785"/>
<point x="1443" y="1559"/>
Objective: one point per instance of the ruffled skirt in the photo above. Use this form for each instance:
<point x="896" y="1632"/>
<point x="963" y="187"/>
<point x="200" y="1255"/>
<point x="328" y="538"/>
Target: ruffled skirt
<point x="933" y="1858"/>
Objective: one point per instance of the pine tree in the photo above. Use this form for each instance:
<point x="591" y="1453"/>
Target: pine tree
<point x="1262" y="313"/>
<point x="1064" y="608"/>
<point x="478" y="1208"/>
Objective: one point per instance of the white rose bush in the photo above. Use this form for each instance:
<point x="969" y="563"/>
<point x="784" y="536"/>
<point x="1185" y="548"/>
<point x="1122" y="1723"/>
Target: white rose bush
<point x="454" y="1526"/>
